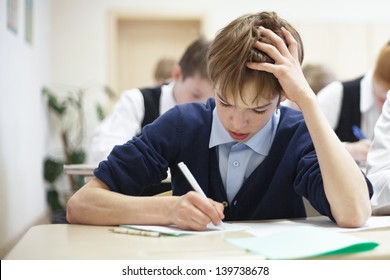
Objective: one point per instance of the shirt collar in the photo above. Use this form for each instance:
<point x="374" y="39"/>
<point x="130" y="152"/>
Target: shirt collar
<point x="260" y="142"/>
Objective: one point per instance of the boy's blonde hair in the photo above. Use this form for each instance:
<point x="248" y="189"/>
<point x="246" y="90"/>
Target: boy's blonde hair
<point x="163" y="69"/>
<point x="233" y="47"/>
<point x="318" y="76"/>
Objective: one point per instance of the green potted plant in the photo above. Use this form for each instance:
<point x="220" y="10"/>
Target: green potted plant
<point x="69" y="114"/>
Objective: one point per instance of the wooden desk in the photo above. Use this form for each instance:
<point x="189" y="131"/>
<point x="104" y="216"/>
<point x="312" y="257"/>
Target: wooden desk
<point x="86" y="170"/>
<point x="62" y="242"/>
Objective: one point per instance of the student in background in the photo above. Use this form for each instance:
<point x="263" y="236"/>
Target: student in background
<point x="139" y="107"/>
<point x="353" y="107"/>
<point x="318" y="76"/>
<point x="163" y="70"/>
<point x="378" y="158"/>
<point x="253" y="158"/>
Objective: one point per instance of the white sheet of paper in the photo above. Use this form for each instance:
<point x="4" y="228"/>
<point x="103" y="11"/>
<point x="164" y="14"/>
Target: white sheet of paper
<point x="266" y="228"/>
<point x="175" y="231"/>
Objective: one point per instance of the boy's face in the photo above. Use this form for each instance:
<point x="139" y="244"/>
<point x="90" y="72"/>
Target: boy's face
<point x="380" y="92"/>
<point x="243" y="119"/>
<point x="192" y="89"/>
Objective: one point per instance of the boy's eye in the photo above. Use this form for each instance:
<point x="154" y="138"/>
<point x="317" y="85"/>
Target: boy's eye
<point x="196" y="96"/>
<point x="224" y="104"/>
<point x="260" y="112"/>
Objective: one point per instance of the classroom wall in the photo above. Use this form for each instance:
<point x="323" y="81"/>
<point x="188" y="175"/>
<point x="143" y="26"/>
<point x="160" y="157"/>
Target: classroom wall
<point x="71" y="48"/>
<point x="344" y="35"/>
<point x="83" y="25"/>
<point x="23" y="70"/>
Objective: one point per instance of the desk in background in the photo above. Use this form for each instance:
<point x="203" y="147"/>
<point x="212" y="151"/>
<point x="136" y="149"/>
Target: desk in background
<point x="61" y="242"/>
<point x="86" y="170"/>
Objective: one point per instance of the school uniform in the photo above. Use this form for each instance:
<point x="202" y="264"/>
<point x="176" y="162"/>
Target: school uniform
<point x="135" y="109"/>
<point x="350" y="103"/>
<point x="378" y="158"/>
<point x="273" y="190"/>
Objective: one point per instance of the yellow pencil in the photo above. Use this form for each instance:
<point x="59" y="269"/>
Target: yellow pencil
<point x="136" y="232"/>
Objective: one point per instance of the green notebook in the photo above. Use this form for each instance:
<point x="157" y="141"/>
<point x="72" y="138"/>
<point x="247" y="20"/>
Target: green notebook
<point x="303" y="242"/>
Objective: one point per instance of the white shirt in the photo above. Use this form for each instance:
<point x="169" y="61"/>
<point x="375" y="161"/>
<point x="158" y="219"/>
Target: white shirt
<point x="378" y="158"/>
<point x="125" y="121"/>
<point x="330" y="101"/>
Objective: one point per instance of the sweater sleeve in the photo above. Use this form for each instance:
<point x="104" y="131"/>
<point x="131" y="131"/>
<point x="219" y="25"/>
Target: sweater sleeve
<point x="309" y="182"/>
<point x="180" y="134"/>
<point x="144" y="160"/>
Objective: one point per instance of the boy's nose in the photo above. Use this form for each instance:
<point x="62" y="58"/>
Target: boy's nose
<point x="239" y="121"/>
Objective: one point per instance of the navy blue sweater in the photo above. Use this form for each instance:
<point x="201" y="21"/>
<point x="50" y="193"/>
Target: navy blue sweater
<point x="273" y="191"/>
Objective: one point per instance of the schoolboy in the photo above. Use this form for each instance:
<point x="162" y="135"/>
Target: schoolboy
<point x="357" y="103"/>
<point x="138" y="107"/>
<point x="253" y="159"/>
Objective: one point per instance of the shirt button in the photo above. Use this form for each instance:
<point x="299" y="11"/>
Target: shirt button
<point x="236" y="163"/>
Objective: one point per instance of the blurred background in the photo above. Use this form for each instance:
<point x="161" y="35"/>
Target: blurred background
<point x="64" y="63"/>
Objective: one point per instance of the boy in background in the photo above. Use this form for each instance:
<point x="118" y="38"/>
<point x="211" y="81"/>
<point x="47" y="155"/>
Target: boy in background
<point x="139" y="107"/>
<point x="353" y="107"/>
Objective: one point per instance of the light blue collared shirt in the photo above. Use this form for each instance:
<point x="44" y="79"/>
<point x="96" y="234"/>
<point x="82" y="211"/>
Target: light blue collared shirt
<point x="238" y="160"/>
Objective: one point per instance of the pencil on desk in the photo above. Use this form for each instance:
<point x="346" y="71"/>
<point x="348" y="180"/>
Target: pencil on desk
<point x="136" y="232"/>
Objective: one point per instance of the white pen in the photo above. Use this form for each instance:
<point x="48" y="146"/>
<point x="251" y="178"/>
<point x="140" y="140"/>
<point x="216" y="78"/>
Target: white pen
<point x="187" y="173"/>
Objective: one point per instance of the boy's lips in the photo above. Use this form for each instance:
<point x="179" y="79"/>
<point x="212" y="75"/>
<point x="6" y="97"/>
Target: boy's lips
<point x="238" y="136"/>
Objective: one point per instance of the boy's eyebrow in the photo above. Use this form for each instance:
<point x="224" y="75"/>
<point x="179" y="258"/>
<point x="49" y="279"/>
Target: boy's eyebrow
<point x="262" y="106"/>
<point x="255" y="108"/>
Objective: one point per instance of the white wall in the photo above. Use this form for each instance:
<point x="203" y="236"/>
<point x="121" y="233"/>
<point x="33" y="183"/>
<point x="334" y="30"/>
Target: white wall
<point x="24" y="68"/>
<point x="81" y="32"/>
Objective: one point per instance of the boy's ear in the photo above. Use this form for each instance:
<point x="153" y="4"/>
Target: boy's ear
<point x="282" y="97"/>
<point x="176" y="73"/>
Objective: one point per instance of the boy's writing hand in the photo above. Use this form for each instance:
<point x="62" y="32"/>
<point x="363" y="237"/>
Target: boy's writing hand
<point x="192" y="211"/>
<point x="287" y="68"/>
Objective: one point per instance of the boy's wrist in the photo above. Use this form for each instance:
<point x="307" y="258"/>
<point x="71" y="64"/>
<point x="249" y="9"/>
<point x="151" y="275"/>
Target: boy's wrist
<point x="306" y="101"/>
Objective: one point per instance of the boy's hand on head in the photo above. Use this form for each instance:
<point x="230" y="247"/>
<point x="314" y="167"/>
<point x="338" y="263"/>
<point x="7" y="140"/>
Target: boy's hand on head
<point x="286" y="68"/>
<point x="194" y="212"/>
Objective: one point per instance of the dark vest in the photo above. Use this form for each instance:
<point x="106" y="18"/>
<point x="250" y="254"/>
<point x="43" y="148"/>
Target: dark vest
<point x="152" y="111"/>
<point x="151" y="103"/>
<point x="350" y="111"/>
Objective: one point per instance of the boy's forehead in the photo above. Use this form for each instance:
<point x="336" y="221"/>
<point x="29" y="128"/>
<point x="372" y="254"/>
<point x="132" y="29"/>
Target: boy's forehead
<point x="245" y="99"/>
